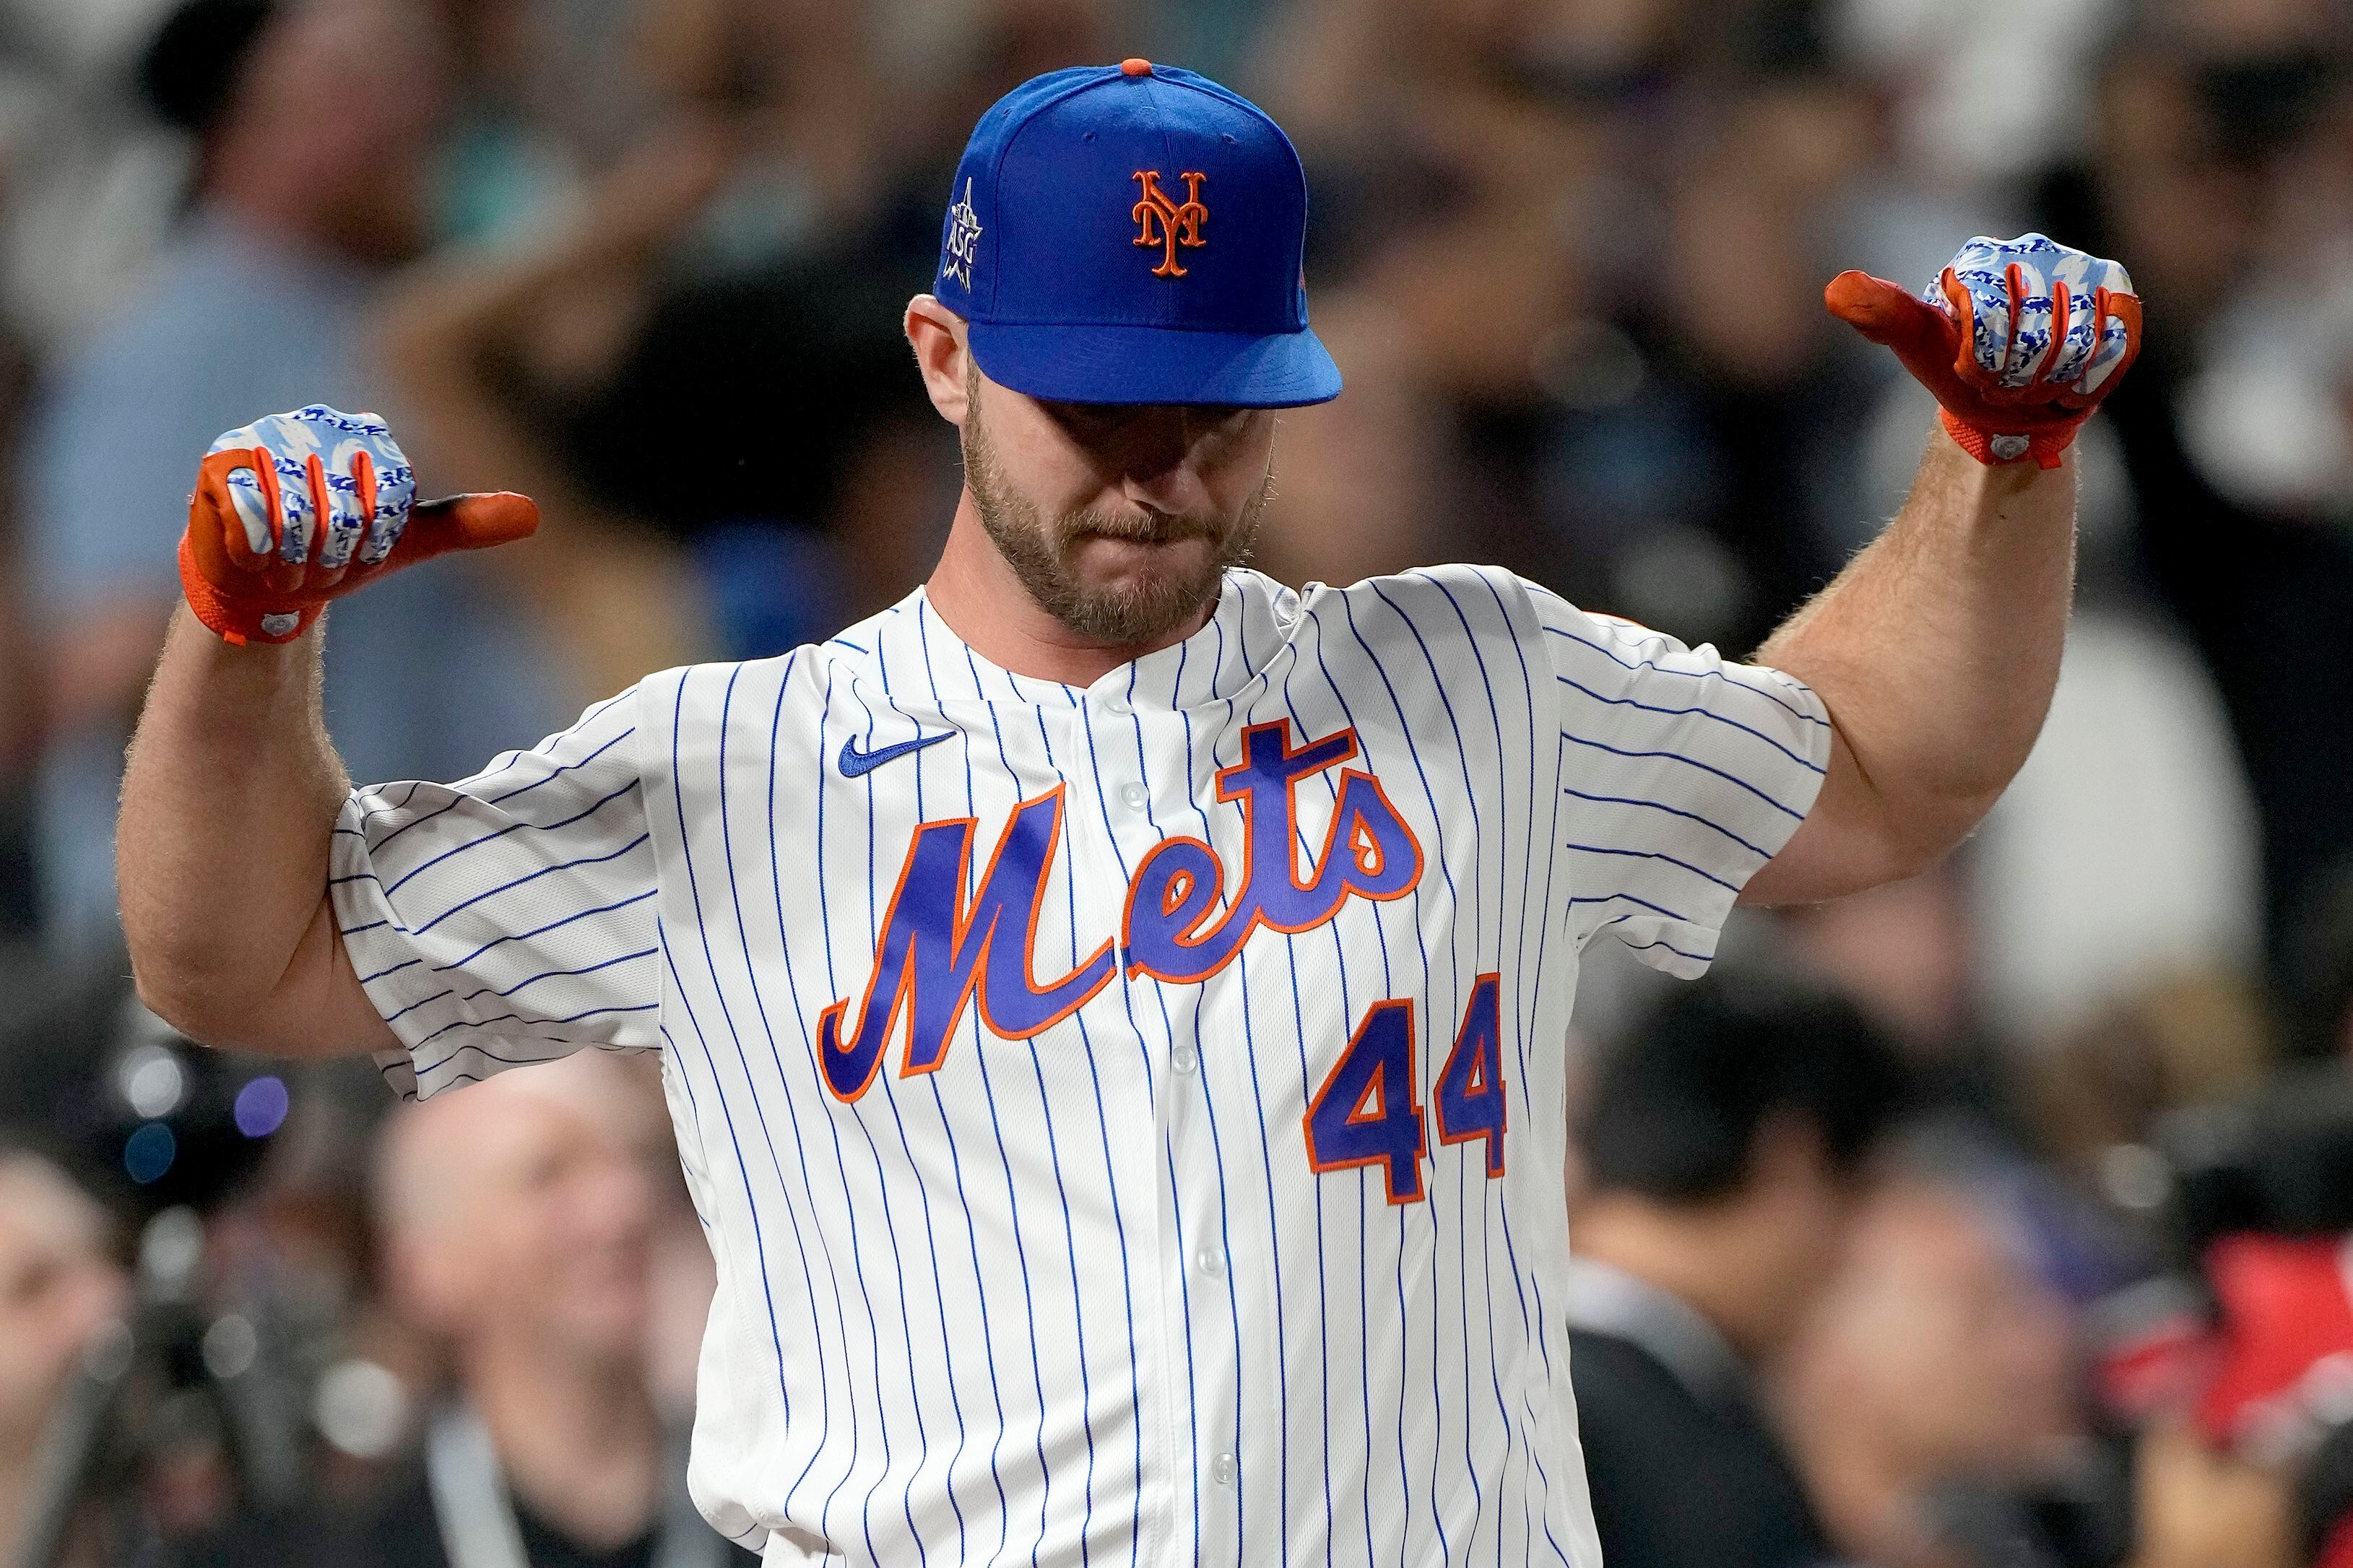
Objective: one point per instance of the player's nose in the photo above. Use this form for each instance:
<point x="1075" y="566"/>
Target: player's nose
<point x="1175" y="489"/>
<point x="1153" y="439"/>
<point x="1155" y="461"/>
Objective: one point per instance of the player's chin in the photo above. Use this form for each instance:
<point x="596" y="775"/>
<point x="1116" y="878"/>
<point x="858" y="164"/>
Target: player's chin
<point x="1125" y="568"/>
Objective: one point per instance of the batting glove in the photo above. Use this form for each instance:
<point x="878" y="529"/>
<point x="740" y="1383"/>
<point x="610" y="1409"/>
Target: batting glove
<point x="2018" y="339"/>
<point x="298" y="508"/>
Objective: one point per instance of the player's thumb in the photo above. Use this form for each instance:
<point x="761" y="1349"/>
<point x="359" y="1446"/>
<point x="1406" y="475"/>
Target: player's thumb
<point x="1921" y="336"/>
<point x="1884" y="312"/>
<point x="465" y="523"/>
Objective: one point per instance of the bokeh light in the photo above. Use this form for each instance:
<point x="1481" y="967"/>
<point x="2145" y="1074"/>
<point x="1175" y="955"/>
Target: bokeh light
<point x="261" y="1106"/>
<point x="149" y="1152"/>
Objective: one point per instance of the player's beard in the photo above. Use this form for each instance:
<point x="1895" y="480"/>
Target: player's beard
<point x="1140" y="610"/>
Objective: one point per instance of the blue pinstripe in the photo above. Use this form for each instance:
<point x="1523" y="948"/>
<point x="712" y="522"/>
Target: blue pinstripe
<point x="1021" y="1251"/>
<point x="543" y="930"/>
<point x="955" y="1156"/>
<point x="640" y="839"/>
<point x="703" y="928"/>
<point x="1217" y="1155"/>
<point x="1645" y="946"/>
<point x="956" y="1159"/>
<point x="1501" y="1207"/>
<point x="1689" y="761"/>
<point x="760" y="1006"/>
<point x="792" y="1110"/>
<point x="1708" y="713"/>
<point x="1689" y="674"/>
<point x="1352" y="1006"/>
<point x="1273" y="1218"/>
<point x="1669" y="810"/>
<point x="1061" y="1191"/>
<point x="466" y="797"/>
<point x="415" y="871"/>
<point x="1388" y="988"/>
<point x="1699" y="871"/>
<point x="560" y="974"/>
<point x="881" y="1182"/>
<point x="1454" y="967"/>
<point x="413" y="1006"/>
<point x="922" y="1196"/>
<point x="1630" y="898"/>
<point x="1529" y="989"/>
<point x="857" y="1255"/>
<point x="1307" y="1093"/>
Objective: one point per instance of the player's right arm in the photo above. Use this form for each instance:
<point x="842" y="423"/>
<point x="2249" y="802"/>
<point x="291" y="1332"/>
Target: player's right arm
<point x="232" y="791"/>
<point x="229" y="800"/>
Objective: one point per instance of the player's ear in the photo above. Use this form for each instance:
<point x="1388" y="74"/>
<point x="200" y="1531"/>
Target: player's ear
<point x="936" y="334"/>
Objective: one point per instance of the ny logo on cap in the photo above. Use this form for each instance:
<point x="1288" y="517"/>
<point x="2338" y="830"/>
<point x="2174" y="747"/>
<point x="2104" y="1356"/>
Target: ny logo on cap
<point x="1167" y="224"/>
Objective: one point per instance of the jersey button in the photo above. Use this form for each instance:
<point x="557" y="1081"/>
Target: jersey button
<point x="1136" y="796"/>
<point x="1222" y="1467"/>
<point x="1185" y="1058"/>
<point x="1210" y="1261"/>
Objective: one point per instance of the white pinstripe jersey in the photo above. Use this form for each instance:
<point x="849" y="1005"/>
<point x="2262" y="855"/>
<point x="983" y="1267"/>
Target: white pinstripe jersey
<point x="1220" y="1220"/>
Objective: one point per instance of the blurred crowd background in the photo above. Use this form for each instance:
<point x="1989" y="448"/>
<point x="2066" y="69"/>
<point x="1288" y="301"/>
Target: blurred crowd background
<point x="644" y="259"/>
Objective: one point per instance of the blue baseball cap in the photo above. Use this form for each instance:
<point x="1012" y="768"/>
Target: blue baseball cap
<point x="1134" y="234"/>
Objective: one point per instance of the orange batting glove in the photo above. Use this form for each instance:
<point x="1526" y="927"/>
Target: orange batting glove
<point x="298" y="508"/>
<point x="2018" y="339"/>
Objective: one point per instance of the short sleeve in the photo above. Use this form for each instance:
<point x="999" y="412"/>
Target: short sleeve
<point x="1682" y="774"/>
<point x="507" y="918"/>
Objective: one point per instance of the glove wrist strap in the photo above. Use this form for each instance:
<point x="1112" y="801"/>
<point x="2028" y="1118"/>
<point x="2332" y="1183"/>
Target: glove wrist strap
<point x="1998" y="448"/>
<point x="238" y="621"/>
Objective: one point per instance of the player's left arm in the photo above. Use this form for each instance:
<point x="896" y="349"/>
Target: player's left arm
<point x="1936" y="651"/>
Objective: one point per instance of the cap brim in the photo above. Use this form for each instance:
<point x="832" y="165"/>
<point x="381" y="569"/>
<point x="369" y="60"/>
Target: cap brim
<point x="1158" y="365"/>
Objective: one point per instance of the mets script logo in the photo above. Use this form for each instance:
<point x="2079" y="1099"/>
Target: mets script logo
<point x="1168" y="223"/>
<point x="964" y="238"/>
<point x="940" y="951"/>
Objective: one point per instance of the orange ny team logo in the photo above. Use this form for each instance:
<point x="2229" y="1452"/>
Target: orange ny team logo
<point x="1167" y="224"/>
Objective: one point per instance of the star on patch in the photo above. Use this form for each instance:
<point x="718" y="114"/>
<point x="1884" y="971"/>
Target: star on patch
<point x="963" y="241"/>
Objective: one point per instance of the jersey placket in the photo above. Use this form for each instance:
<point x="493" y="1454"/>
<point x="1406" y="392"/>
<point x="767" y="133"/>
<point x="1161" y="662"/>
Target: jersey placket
<point x="1159" y="766"/>
<point x="1148" y="776"/>
<point x="1105" y="833"/>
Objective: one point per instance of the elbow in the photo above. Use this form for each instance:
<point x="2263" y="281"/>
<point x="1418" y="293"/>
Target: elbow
<point x="208" y="1017"/>
<point x="191" y="1000"/>
<point x="244" y="998"/>
<point x="1916" y="835"/>
<point x="199" y="996"/>
<point x="185" y="1007"/>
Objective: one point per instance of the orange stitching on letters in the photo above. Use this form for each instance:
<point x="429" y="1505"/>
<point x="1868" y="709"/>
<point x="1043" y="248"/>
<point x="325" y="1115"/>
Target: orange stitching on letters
<point x="1167" y="224"/>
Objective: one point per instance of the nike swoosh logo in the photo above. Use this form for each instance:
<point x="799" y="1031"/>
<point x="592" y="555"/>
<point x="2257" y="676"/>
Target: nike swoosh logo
<point x="856" y="763"/>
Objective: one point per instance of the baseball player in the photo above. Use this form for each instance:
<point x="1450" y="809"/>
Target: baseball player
<point x="1112" y="1004"/>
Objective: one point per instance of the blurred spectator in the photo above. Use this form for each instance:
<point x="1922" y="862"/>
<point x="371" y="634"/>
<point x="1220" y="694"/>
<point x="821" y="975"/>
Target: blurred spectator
<point x="311" y="119"/>
<point x="691" y="225"/>
<point x="1724" y="1147"/>
<point x="2257" y="1470"/>
<point x="2108" y="1082"/>
<point x="2218" y="170"/>
<point x="2126" y="850"/>
<point x="2320" y="977"/>
<point x="1935" y="1354"/>
<point x="517" y="1223"/>
<point x="598" y="371"/>
<point x="58" y="1285"/>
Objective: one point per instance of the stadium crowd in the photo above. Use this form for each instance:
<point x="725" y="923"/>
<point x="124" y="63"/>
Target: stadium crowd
<point x="1889" y="1262"/>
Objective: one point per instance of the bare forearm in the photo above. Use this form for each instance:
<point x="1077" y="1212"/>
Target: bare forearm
<point x="1936" y="651"/>
<point x="229" y="799"/>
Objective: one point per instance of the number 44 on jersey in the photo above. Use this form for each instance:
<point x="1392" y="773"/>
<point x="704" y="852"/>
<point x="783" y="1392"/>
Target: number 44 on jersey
<point x="1366" y="1112"/>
